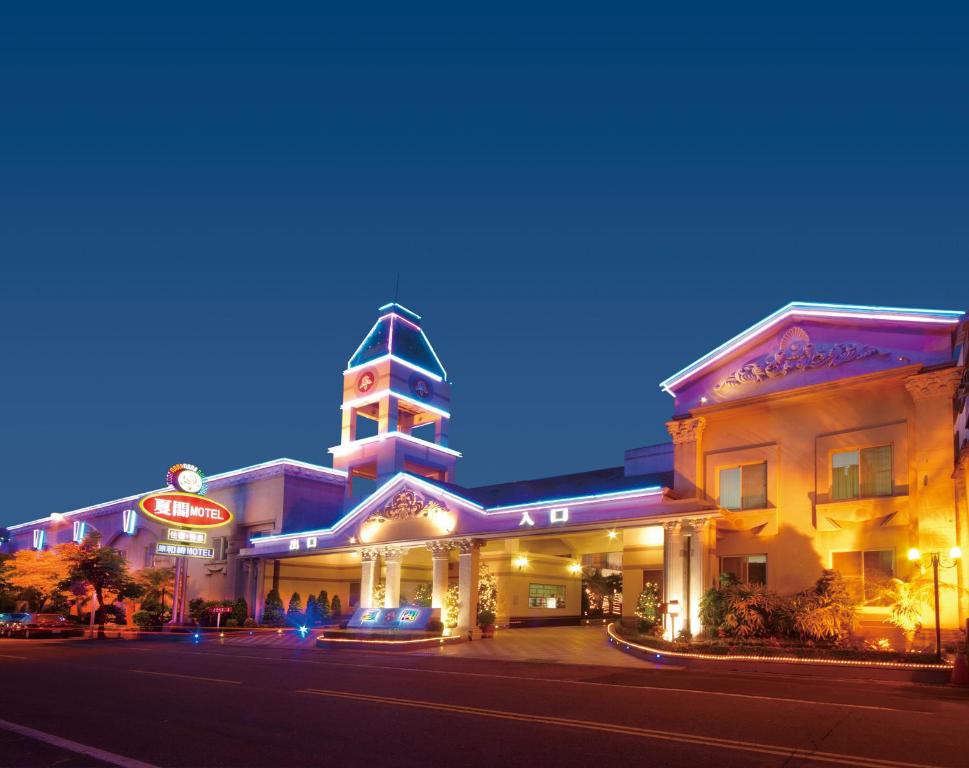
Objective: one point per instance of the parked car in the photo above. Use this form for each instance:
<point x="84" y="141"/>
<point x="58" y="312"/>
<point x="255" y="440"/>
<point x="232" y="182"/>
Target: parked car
<point x="42" y="625"/>
<point x="6" y="619"/>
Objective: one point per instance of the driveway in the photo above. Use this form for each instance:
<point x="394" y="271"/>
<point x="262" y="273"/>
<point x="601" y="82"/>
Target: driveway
<point x="548" y="645"/>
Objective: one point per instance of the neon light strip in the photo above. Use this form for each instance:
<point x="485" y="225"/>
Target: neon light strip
<point x="344" y="448"/>
<point x="613" y="637"/>
<point x="576" y="501"/>
<point x="221" y="476"/>
<point x="399" y="306"/>
<point x="395" y="359"/>
<point x="364" y="342"/>
<point x="811" y="309"/>
<point x="374" y="396"/>
<point x="385" y="490"/>
<point x="390" y="485"/>
<point x="428" y="640"/>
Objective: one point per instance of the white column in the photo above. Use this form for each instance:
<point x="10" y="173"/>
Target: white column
<point x="468" y="550"/>
<point x="440" y="552"/>
<point x="368" y="568"/>
<point x="392" y="558"/>
<point x="700" y="549"/>
<point x="673" y="569"/>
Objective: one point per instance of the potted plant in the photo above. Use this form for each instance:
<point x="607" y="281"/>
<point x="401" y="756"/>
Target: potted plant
<point x="486" y="620"/>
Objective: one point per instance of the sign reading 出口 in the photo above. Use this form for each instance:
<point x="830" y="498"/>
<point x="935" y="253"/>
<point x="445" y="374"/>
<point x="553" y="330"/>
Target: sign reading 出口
<point x="185" y="509"/>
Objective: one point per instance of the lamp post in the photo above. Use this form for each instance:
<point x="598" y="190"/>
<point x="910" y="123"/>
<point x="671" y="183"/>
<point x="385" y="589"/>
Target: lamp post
<point x="937" y="559"/>
<point x="673" y="610"/>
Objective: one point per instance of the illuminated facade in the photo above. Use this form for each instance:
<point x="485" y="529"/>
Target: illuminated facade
<point x="825" y="436"/>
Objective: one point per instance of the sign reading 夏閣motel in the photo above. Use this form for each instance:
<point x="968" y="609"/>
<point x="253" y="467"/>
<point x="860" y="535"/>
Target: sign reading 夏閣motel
<point x="185" y="509"/>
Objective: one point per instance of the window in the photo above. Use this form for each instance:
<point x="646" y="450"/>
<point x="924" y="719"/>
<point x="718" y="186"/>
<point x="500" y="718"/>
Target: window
<point x="744" y="487"/>
<point x="751" y="569"/>
<point x="220" y="546"/>
<point x="546" y="596"/>
<point x="867" y="572"/>
<point x="861" y="473"/>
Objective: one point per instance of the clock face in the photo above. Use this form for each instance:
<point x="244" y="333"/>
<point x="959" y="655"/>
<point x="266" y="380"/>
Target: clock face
<point x="366" y="381"/>
<point x="189" y="481"/>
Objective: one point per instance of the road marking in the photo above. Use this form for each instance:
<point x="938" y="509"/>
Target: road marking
<point x="186" y="677"/>
<point x="662" y="689"/>
<point x="73" y="746"/>
<point x="648" y="733"/>
<point x="8" y="656"/>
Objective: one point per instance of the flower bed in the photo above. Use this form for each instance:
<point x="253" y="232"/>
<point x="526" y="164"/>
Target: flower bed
<point x="772" y="649"/>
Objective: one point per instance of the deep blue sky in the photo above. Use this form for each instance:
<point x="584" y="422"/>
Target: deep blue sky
<point x="199" y="215"/>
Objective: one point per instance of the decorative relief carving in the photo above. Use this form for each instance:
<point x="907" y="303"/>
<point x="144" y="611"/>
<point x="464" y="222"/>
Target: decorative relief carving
<point x="404" y="505"/>
<point x="368" y="555"/>
<point x="943" y="383"/>
<point x="466" y="546"/>
<point x="794" y="354"/>
<point x="686" y="430"/>
<point x="393" y="554"/>
<point x="440" y="549"/>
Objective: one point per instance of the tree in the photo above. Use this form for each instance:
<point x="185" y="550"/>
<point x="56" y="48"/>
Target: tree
<point x="312" y="611"/>
<point x="422" y="596"/>
<point x="294" y="613"/>
<point x="825" y="611"/>
<point x="487" y="591"/>
<point x="158" y="584"/>
<point x="8" y="601"/>
<point x="240" y="611"/>
<point x="38" y="575"/>
<point x="272" y="610"/>
<point x="647" y="608"/>
<point x="378" y="594"/>
<point x="323" y="606"/>
<point x="452" y="604"/>
<point x="102" y="569"/>
<point x="336" y="609"/>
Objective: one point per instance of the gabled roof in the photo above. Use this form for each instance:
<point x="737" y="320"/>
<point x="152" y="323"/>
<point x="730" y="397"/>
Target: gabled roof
<point x="811" y="310"/>
<point x="397" y="332"/>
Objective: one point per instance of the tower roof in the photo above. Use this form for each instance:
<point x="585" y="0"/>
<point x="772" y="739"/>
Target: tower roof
<point x="398" y="333"/>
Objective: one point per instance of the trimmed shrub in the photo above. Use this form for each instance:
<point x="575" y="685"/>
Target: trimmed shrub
<point x="272" y="611"/>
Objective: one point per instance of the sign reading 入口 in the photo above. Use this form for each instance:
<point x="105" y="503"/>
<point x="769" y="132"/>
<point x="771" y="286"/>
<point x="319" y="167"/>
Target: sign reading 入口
<point x="185" y="509"/>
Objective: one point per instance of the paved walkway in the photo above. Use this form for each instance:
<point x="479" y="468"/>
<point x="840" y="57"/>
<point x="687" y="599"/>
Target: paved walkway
<point x="548" y="645"/>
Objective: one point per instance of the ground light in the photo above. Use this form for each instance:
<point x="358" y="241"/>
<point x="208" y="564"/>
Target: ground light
<point x="937" y="559"/>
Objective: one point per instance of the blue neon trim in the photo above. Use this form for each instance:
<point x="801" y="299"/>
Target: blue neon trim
<point x="394" y="304"/>
<point x="792" y="308"/>
<point x="652" y="489"/>
<point x="352" y="513"/>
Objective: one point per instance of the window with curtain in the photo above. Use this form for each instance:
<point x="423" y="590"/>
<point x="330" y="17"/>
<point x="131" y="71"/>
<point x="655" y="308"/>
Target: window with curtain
<point x="866" y="572"/>
<point x="750" y="569"/>
<point x="744" y="487"/>
<point x="861" y="473"/>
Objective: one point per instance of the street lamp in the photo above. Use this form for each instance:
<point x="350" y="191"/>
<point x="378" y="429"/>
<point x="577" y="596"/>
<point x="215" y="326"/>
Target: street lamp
<point x="937" y="559"/>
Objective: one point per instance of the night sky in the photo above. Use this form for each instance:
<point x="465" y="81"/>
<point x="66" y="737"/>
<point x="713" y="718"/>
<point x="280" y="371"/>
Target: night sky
<point x="200" y="214"/>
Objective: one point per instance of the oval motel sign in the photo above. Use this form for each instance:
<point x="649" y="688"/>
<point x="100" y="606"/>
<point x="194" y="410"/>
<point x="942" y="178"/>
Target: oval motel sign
<point x="185" y="509"/>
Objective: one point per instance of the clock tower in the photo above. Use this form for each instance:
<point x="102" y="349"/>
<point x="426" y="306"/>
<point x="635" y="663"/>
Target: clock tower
<point x="396" y="406"/>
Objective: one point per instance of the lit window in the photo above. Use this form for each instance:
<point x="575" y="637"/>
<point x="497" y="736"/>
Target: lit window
<point x="744" y="487"/>
<point x="750" y="569"/>
<point x="867" y="572"/>
<point x="861" y="473"/>
<point x="546" y="596"/>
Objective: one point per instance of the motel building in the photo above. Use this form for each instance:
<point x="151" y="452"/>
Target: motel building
<point x="824" y="436"/>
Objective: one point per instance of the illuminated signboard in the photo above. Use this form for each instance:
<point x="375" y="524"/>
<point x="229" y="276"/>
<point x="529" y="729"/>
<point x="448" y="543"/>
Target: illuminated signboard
<point x="192" y="537"/>
<point x="371" y="614"/>
<point x="184" y="550"/>
<point x="185" y="509"/>
<point x="408" y="615"/>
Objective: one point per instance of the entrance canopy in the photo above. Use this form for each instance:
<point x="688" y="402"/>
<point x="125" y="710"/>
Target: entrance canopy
<point x="412" y="509"/>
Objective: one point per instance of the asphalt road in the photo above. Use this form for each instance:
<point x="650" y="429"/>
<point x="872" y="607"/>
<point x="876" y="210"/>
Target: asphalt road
<point x="184" y="705"/>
